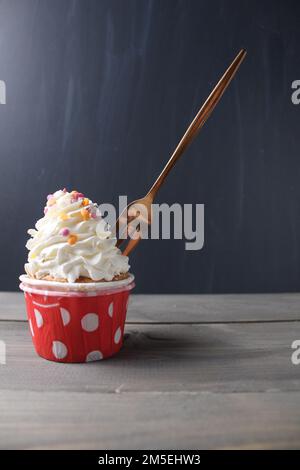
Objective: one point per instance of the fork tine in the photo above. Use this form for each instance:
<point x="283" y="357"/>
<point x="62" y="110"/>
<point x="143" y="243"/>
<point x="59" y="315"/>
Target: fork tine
<point x="124" y="227"/>
<point x="131" y="245"/>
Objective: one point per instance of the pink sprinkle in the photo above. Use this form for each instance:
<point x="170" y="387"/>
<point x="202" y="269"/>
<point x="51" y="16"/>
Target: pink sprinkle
<point x="49" y="196"/>
<point x="64" y="190"/>
<point x="76" y="196"/>
<point x="64" y="232"/>
<point x="45" y="210"/>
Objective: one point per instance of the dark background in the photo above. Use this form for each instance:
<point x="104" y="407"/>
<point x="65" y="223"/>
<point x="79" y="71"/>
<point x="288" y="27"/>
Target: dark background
<point x="100" y="91"/>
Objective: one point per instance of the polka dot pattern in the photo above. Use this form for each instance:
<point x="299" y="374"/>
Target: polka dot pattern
<point x="38" y="318"/>
<point x="90" y="322"/>
<point x="94" y="356"/>
<point x="117" y="336"/>
<point x="71" y="329"/>
<point x="59" y="349"/>
<point x="65" y="316"/>
<point x="111" y="309"/>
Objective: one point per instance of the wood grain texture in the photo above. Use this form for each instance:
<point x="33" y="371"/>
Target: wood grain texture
<point x="188" y="308"/>
<point x="165" y="358"/>
<point x="224" y="384"/>
<point x="77" y="420"/>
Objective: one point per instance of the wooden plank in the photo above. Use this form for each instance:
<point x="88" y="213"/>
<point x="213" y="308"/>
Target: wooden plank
<point x="75" y="420"/>
<point x="12" y="306"/>
<point x="192" y="308"/>
<point x="214" y="308"/>
<point x="165" y="358"/>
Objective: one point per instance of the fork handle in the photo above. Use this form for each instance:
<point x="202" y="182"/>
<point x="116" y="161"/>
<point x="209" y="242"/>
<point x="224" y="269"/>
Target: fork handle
<point x="199" y="120"/>
<point x="191" y="132"/>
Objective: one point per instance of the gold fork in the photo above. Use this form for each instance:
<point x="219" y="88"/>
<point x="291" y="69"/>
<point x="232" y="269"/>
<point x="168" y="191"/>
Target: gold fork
<point x="140" y="209"/>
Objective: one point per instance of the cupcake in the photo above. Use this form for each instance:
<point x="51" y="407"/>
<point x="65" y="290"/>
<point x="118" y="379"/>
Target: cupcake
<point x="77" y="282"/>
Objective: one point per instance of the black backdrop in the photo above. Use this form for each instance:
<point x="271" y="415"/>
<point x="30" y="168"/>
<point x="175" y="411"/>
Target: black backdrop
<point x="99" y="92"/>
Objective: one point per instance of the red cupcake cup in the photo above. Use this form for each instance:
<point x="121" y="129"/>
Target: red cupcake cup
<point x="76" y="322"/>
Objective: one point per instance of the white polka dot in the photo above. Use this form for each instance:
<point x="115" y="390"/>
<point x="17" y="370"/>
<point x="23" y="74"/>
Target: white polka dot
<point x="118" y="334"/>
<point x="111" y="309"/>
<point x="94" y="356"/>
<point x="31" y="329"/>
<point x="65" y="316"/>
<point x="38" y="318"/>
<point x="90" y="322"/>
<point x="59" y="349"/>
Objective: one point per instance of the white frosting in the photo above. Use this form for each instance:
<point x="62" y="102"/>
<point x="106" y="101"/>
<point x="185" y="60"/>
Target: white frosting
<point x="72" y="240"/>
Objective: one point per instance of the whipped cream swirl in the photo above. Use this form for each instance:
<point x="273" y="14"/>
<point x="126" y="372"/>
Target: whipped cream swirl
<point x="72" y="240"/>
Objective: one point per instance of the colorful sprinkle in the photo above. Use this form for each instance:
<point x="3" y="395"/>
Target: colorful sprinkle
<point x="49" y="196"/>
<point x="45" y="210"/>
<point x="64" y="232"/>
<point x="72" y="239"/>
<point x="85" y="214"/>
<point x="63" y="216"/>
<point x="85" y="201"/>
<point x="76" y="195"/>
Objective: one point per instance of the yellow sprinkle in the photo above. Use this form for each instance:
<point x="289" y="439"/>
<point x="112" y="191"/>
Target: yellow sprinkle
<point x="63" y="216"/>
<point x="85" y="202"/>
<point x="85" y="214"/>
<point x="72" y="239"/>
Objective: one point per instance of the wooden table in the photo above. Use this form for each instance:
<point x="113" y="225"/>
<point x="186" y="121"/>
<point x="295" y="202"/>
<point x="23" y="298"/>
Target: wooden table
<point x="202" y="371"/>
